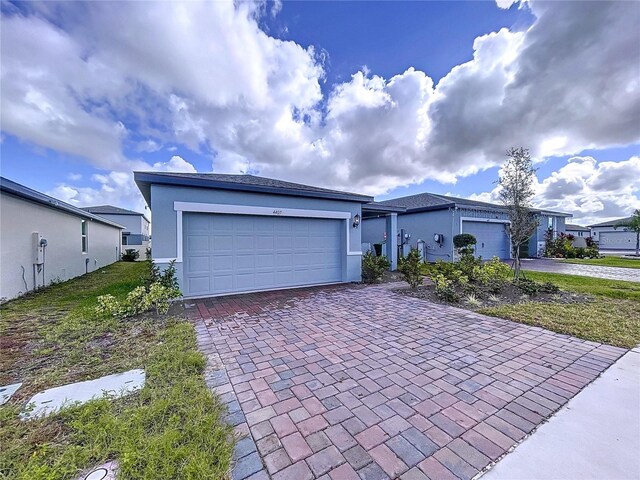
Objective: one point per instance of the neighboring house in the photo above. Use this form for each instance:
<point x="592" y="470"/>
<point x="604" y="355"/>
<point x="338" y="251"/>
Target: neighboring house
<point x="242" y="233"/>
<point x="610" y="236"/>
<point x="136" y="231"/>
<point x="43" y="240"/>
<point x="431" y="221"/>
<point x="579" y="233"/>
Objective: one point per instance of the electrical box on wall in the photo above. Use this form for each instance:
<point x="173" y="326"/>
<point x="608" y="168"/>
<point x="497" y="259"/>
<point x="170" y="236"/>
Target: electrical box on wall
<point x="38" y="248"/>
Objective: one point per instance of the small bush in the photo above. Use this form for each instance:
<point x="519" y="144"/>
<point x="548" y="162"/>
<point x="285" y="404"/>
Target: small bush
<point x="464" y="243"/>
<point x="411" y="269"/>
<point x="532" y="288"/>
<point x="166" y="278"/>
<point x="373" y="267"/>
<point x="157" y="297"/>
<point x="493" y="274"/>
<point x="130" y="255"/>
<point x="445" y="288"/>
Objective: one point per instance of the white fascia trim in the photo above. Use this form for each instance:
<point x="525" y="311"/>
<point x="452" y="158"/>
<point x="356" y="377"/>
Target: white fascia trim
<point x="255" y="210"/>
<point x="164" y="260"/>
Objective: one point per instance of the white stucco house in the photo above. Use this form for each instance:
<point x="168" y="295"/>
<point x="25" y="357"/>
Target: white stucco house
<point x="611" y="236"/>
<point x="44" y="240"/>
<point x="137" y="231"/>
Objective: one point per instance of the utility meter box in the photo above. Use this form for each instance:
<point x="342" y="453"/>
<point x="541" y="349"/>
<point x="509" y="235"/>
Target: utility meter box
<point x="38" y="248"/>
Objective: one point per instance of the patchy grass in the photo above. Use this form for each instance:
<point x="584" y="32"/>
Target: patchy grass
<point x="172" y="428"/>
<point x="606" y="262"/>
<point x="613" y="316"/>
<point x="590" y="285"/>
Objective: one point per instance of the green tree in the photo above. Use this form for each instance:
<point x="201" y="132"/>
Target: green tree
<point x="516" y="193"/>
<point x="634" y="225"/>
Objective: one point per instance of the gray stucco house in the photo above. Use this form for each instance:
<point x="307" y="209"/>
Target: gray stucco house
<point x="242" y="233"/>
<point x="136" y="225"/>
<point x="430" y="222"/>
<point x="611" y="236"/>
<point x="43" y="239"/>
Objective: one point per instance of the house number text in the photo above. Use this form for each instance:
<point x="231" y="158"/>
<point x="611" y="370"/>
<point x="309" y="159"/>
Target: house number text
<point x="277" y="212"/>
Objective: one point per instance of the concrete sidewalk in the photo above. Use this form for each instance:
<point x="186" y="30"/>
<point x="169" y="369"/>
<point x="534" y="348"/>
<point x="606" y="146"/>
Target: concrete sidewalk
<point x="595" y="436"/>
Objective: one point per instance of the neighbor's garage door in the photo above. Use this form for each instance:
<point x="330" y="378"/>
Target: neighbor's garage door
<point x="617" y="241"/>
<point x="492" y="239"/>
<point x="240" y="253"/>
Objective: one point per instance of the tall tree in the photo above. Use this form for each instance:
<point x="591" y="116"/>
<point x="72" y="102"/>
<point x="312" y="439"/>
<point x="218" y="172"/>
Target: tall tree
<point x="516" y="193"/>
<point x="634" y="225"/>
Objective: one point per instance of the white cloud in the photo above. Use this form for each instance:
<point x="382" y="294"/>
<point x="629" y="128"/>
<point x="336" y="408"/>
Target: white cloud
<point x="590" y="190"/>
<point x="92" y="79"/>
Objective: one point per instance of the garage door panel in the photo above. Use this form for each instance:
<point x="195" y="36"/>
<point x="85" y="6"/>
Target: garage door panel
<point x="491" y="238"/>
<point x="244" y="253"/>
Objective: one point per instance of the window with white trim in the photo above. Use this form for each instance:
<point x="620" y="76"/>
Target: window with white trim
<point x="85" y="244"/>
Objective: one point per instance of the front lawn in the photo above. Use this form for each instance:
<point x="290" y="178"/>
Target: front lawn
<point x="172" y="428"/>
<point x="606" y="262"/>
<point x="612" y="316"/>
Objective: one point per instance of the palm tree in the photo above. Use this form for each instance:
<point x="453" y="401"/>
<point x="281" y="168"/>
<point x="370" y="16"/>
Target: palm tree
<point x="633" y="224"/>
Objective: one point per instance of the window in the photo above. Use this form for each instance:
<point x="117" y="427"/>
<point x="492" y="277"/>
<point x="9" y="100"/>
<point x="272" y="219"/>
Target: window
<point x="124" y="239"/>
<point x="550" y="222"/>
<point x="84" y="236"/>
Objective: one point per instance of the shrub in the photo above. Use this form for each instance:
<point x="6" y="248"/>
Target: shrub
<point x="138" y="300"/>
<point x="464" y="243"/>
<point x="166" y="278"/>
<point x="445" y="288"/>
<point x="493" y="274"/>
<point x="531" y="288"/>
<point x="411" y="269"/>
<point x="559" y="247"/>
<point x="373" y="267"/>
<point x="130" y="255"/>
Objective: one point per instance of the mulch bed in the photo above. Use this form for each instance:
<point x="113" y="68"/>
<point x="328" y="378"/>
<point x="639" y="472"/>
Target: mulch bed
<point x="510" y="295"/>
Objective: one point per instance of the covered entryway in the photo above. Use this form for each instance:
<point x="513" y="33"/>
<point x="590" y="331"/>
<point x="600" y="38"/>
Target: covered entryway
<point x="491" y="237"/>
<point x="225" y="253"/>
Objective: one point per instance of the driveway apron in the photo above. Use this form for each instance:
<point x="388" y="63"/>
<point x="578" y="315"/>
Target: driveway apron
<point x="357" y="381"/>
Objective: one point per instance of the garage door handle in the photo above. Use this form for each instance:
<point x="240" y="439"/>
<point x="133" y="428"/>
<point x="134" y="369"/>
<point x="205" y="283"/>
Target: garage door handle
<point x="482" y="244"/>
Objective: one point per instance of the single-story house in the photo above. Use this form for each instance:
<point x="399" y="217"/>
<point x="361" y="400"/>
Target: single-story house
<point x="577" y="230"/>
<point x="579" y="233"/>
<point x="430" y="222"/>
<point x="243" y="233"/>
<point x="45" y="240"/>
<point x="136" y="233"/>
<point x="612" y="236"/>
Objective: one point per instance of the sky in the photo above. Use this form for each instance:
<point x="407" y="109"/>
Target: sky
<point x="382" y="98"/>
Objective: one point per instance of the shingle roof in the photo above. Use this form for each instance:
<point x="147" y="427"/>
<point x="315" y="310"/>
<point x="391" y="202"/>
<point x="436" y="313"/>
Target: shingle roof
<point x="576" y="228"/>
<point x="612" y="223"/>
<point x="110" y="210"/>
<point x="432" y="201"/>
<point x="9" y="186"/>
<point x="242" y="182"/>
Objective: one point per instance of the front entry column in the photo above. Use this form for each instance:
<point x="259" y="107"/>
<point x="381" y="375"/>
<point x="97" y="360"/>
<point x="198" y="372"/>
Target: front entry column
<point x="392" y="240"/>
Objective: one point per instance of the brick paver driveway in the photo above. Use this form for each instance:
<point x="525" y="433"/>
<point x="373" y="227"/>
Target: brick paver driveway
<point x="597" y="271"/>
<point x="359" y="382"/>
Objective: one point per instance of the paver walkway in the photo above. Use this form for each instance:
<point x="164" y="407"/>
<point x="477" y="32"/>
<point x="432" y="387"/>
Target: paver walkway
<point x="359" y="382"/>
<point x="595" y="436"/>
<point x="597" y="271"/>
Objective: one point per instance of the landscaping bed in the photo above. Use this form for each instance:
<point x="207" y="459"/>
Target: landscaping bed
<point x="171" y="428"/>
<point x="483" y="298"/>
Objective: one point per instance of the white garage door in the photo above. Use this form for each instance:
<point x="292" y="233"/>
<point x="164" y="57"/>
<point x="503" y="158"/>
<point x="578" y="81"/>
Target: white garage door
<point x="242" y="253"/>
<point x="492" y="239"/>
<point x="617" y="241"/>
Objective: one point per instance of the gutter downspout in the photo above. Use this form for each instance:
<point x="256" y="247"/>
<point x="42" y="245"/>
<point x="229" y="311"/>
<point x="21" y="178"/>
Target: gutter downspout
<point x="453" y="217"/>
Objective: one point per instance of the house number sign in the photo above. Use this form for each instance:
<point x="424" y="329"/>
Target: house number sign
<point x="277" y="212"/>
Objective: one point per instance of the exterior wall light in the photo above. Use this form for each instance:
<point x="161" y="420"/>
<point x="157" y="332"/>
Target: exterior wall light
<point x="356" y="221"/>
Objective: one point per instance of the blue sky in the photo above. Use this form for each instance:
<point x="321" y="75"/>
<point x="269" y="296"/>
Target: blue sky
<point x="385" y="98"/>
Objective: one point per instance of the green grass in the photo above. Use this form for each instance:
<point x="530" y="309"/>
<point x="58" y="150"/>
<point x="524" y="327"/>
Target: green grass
<point x="606" y="262"/>
<point x="172" y="428"/>
<point x="612" y="316"/>
<point x="589" y="285"/>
